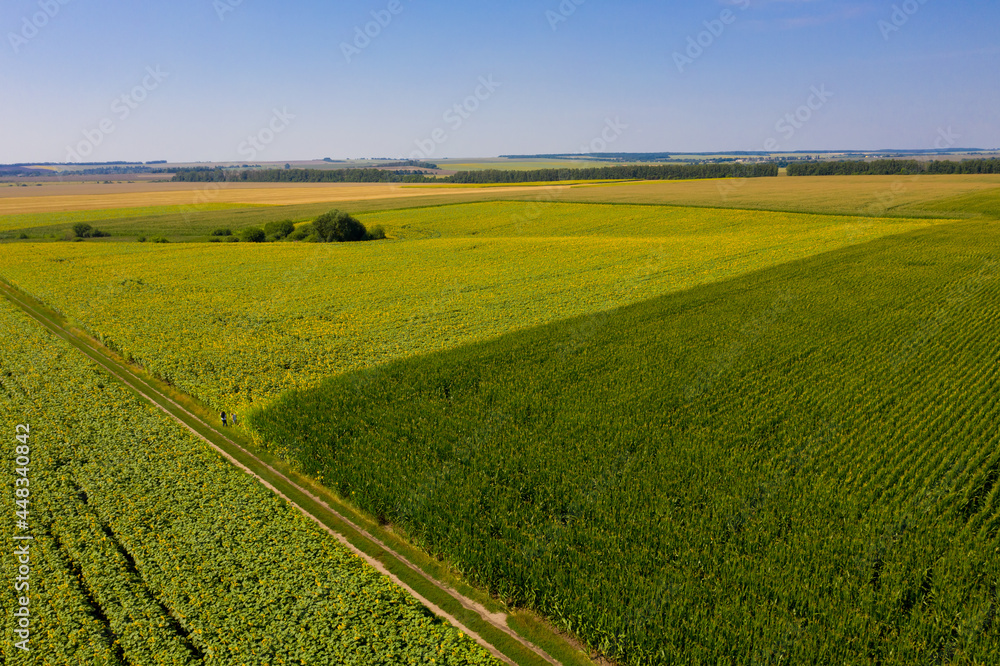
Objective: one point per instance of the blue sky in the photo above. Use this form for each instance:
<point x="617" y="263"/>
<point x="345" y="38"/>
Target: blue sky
<point x="201" y="77"/>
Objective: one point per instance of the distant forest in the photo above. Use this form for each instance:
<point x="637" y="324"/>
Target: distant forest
<point x="622" y="157"/>
<point x="207" y="174"/>
<point x="893" y="167"/>
<point x="637" y="172"/>
<point x="625" y="172"/>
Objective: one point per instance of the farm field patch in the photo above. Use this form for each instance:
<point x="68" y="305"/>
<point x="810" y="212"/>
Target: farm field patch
<point x="64" y="197"/>
<point x="798" y="464"/>
<point x="872" y="196"/>
<point x="149" y="548"/>
<point x="236" y="324"/>
<point x="39" y="220"/>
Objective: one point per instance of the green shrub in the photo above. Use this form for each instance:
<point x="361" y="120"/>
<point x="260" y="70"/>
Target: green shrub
<point x="252" y="235"/>
<point x="279" y="230"/>
<point x="339" y="227"/>
<point x="159" y="239"/>
<point x="302" y="233"/>
<point x="142" y="239"/>
<point x="84" y="230"/>
<point x="222" y="232"/>
<point x="23" y="235"/>
<point x="377" y="233"/>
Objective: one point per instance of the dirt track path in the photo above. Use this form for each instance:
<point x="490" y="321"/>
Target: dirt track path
<point x="308" y="503"/>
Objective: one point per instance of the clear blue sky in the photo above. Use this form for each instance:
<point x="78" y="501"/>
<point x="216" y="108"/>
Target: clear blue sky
<point x="227" y="65"/>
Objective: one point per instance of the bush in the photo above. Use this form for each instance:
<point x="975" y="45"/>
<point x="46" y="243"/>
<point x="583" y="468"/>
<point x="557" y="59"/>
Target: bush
<point x="159" y="239"/>
<point x="84" y="230"/>
<point x="338" y="227"/>
<point x="302" y="233"/>
<point x="377" y="233"/>
<point x="222" y="232"/>
<point x="253" y="235"/>
<point x="279" y="230"/>
<point x="142" y="239"/>
<point x="23" y="235"/>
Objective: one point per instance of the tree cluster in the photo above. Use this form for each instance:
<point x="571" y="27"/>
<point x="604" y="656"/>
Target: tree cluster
<point x="893" y="167"/>
<point x="84" y="230"/>
<point x="219" y="175"/>
<point x="333" y="227"/>
<point x="623" y="172"/>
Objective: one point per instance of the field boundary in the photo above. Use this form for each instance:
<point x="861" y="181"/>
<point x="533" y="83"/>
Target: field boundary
<point x="490" y="630"/>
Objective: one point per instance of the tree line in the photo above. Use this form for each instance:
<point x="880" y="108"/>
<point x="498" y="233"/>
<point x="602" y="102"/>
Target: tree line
<point x="624" y="172"/>
<point x="218" y="174"/>
<point x="893" y="167"/>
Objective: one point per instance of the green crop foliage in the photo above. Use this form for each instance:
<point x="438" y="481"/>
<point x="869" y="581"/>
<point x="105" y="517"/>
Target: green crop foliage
<point x="722" y="470"/>
<point x="150" y="549"/>
<point x="237" y="325"/>
<point x="68" y="218"/>
<point x="797" y="465"/>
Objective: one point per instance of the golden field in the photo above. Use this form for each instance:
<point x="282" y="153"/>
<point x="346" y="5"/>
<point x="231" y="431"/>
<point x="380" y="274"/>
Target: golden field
<point x="238" y="324"/>
<point x="64" y="197"/>
<point x="846" y="195"/>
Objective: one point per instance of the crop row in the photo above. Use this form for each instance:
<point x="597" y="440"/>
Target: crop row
<point x="237" y="325"/>
<point x="151" y="549"/>
<point x="795" y="466"/>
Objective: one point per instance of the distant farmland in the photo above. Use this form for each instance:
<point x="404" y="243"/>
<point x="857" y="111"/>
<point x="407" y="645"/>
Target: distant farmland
<point x="738" y="419"/>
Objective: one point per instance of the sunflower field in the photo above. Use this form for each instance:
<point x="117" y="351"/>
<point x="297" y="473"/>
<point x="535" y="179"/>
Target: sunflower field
<point x="236" y="325"/>
<point x="149" y="548"/>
